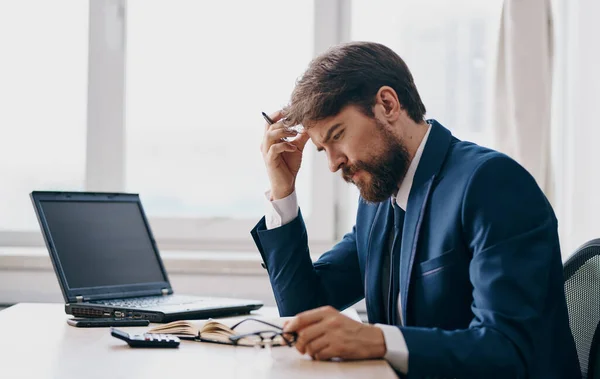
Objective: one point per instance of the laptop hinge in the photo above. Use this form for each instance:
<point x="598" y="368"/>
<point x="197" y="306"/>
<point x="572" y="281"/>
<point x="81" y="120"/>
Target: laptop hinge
<point x="165" y="291"/>
<point x="79" y="299"/>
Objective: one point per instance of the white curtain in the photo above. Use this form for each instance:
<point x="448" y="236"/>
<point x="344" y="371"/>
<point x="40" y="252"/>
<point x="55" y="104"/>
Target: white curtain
<point x="549" y="124"/>
<point x="523" y="88"/>
<point x="577" y="137"/>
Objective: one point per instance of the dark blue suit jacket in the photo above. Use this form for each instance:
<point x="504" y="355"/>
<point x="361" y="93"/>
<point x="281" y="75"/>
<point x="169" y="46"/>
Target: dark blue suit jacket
<point x="480" y="268"/>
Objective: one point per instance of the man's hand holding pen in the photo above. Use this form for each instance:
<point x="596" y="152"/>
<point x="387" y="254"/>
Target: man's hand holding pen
<point x="282" y="158"/>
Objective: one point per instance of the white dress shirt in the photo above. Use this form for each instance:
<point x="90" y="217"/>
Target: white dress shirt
<point x="282" y="211"/>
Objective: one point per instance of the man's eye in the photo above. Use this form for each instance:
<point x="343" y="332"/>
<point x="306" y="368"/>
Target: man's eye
<point x="337" y="136"/>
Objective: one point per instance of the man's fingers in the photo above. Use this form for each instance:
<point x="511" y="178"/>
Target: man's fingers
<point x="326" y="353"/>
<point x="309" y="334"/>
<point x="272" y="137"/>
<point x="277" y="134"/>
<point x="315" y="346"/>
<point x="279" y="148"/>
<point x="274" y="126"/>
<point x="309" y="317"/>
<point x="275" y="117"/>
<point x="301" y="141"/>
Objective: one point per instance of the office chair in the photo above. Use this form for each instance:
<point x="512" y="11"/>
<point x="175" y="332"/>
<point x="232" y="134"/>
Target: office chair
<point x="582" y="290"/>
<point x="594" y="369"/>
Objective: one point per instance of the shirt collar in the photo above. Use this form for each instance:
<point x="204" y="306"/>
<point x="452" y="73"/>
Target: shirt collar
<point x="404" y="190"/>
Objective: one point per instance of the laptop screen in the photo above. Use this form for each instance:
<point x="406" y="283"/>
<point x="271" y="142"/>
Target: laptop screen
<point x="102" y="243"/>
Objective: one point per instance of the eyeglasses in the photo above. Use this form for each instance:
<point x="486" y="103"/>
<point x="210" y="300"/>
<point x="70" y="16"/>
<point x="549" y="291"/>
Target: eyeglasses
<point x="264" y="338"/>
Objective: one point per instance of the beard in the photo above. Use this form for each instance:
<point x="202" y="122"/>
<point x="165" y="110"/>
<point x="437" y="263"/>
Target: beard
<point x="386" y="169"/>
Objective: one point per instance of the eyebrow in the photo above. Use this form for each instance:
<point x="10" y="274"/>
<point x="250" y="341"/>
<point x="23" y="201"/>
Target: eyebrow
<point x="328" y="135"/>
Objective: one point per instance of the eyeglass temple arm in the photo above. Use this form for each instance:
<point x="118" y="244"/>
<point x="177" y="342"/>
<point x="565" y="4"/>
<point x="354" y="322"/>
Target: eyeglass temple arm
<point x="257" y="320"/>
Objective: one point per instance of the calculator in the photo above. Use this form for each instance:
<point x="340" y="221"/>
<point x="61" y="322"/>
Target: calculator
<point x="146" y="339"/>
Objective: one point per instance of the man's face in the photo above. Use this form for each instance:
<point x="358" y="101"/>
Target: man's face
<point x="365" y="149"/>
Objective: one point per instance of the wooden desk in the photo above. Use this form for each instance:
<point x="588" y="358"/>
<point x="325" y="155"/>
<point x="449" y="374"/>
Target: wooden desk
<point x="36" y="342"/>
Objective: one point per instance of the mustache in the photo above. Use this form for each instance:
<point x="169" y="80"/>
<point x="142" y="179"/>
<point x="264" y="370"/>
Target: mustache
<point x="349" y="171"/>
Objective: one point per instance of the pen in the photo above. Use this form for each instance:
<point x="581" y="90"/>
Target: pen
<point x="267" y="118"/>
<point x="271" y="122"/>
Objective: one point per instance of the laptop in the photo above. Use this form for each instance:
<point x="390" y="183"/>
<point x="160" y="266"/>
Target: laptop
<point x="108" y="264"/>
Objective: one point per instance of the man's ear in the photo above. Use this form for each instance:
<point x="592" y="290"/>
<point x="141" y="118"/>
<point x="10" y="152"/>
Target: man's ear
<point x="387" y="99"/>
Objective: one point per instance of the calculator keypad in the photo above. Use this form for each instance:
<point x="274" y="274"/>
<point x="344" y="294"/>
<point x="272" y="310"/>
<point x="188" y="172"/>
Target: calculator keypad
<point x="147" y="339"/>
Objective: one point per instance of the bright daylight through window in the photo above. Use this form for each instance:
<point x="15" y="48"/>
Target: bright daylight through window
<point x="43" y="76"/>
<point x="198" y="77"/>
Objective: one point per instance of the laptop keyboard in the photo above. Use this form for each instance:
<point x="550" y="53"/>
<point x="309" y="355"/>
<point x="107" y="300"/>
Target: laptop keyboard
<point x="153" y="301"/>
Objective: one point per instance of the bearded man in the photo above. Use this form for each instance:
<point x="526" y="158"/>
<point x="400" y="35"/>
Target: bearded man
<point x="455" y="247"/>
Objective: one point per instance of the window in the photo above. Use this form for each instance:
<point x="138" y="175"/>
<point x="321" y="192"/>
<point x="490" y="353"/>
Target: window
<point x="43" y="99"/>
<point x="174" y="113"/>
<point x="449" y="46"/>
<point x="168" y="106"/>
<point x="198" y="76"/>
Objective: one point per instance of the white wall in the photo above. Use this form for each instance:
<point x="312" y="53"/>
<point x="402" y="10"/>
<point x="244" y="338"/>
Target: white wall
<point x="26" y="275"/>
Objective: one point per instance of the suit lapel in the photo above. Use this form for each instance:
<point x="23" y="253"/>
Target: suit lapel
<point x="430" y="164"/>
<point x="412" y="227"/>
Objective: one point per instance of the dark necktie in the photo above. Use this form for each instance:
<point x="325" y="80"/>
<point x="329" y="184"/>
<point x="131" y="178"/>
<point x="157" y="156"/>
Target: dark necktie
<point x="394" y="276"/>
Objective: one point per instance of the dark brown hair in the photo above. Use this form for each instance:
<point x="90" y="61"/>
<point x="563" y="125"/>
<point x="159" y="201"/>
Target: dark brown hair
<point x="351" y="74"/>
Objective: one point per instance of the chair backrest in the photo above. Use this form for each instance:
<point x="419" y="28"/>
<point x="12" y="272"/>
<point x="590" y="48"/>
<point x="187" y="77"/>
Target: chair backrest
<point x="582" y="290"/>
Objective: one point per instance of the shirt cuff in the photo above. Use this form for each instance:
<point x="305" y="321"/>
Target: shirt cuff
<point x="396" y="350"/>
<point x="282" y="211"/>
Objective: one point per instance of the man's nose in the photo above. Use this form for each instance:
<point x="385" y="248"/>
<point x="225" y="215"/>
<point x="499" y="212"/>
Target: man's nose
<point x="336" y="162"/>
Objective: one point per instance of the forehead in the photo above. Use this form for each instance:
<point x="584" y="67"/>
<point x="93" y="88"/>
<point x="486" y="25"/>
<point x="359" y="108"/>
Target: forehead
<point x="317" y="129"/>
<point x="347" y="116"/>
